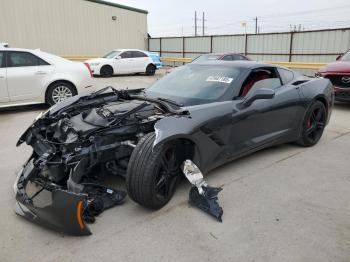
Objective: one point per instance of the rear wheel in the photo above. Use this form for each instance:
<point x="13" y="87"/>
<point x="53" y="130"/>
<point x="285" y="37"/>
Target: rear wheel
<point x="313" y="124"/>
<point x="150" y="70"/>
<point x="106" y="71"/>
<point x="59" y="91"/>
<point x="153" y="174"/>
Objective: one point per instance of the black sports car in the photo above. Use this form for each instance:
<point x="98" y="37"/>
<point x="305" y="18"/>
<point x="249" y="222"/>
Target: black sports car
<point x="196" y="118"/>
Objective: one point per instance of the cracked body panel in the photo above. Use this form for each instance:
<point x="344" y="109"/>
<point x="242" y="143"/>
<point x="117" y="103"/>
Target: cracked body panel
<point x="201" y="194"/>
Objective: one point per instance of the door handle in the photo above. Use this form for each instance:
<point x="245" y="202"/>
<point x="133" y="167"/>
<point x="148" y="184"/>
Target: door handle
<point x="40" y="73"/>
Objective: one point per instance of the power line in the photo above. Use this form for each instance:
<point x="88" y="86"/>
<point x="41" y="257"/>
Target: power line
<point x="275" y="22"/>
<point x="305" y="12"/>
<point x="268" y="17"/>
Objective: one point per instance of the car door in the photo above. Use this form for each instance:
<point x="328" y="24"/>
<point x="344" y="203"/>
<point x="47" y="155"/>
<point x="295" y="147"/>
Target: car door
<point x="140" y="61"/>
<point x="123" y="63"/>
<point x="27" y="75"/>
<point x="265" y="121"/>
<point x="4" y="96"/>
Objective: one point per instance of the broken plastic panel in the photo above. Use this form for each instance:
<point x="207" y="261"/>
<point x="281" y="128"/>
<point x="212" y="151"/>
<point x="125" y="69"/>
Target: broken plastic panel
<point x="201" y="195"/>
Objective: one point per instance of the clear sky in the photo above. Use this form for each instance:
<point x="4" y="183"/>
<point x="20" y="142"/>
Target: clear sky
<point x="174" y="18"/>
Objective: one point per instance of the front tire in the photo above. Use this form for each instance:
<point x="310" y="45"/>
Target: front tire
<point x="106" y="71"/>
<point x="152" y="174"/>
<point x="59" y="91"/>
<point x="150" y="70"/>
<point x="313" y="124"/>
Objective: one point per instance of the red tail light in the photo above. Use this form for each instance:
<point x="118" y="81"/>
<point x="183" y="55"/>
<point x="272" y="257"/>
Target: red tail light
<point x="88" y="67"/>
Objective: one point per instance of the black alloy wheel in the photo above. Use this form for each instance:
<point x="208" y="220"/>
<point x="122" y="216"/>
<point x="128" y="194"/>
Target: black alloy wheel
<point x="314" y="124"/>
<point x="168" y="172"/>
<point x="153" y="173"/>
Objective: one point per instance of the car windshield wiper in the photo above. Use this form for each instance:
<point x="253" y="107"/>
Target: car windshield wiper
<point x="169" y="101"/>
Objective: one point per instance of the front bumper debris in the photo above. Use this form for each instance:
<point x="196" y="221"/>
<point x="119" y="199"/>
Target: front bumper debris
<point x="57" y="208"/>
<point x="201" y="195"/>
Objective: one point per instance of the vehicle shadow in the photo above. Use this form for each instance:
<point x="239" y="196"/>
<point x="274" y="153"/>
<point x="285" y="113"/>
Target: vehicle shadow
<point x="342" y="105"/>
<point x="20" y="109"/>
<point x="119" y="75"/>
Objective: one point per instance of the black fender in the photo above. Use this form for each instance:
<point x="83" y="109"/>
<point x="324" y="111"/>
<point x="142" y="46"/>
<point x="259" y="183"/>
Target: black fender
<point x="197" y="127"/>
<point x="319" y="89"/>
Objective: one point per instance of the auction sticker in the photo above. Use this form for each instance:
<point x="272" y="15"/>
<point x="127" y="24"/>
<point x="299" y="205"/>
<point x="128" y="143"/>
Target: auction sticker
<point x="220" y="79"/>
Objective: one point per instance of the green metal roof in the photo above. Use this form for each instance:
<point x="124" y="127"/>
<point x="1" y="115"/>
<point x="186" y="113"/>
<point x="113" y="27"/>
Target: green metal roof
<point x="118" y="5"/>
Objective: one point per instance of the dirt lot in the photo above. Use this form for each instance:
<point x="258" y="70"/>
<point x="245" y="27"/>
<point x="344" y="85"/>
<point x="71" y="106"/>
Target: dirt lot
<point x="282" y="204"/>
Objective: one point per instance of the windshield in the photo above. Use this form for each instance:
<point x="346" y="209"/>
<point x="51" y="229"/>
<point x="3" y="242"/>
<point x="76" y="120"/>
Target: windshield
<point x="346" y="56"/>
<point x="112" y="54"/>
<point x="196" y="84"/>
<point x="204" y="58"/>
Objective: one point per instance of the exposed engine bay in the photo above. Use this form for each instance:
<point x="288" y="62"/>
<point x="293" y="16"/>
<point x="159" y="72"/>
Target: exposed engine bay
<point x="74" y="143"/>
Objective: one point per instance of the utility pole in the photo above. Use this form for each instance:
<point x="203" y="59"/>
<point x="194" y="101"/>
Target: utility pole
<point x="195" y="23"/>
<point x="203" y="23"/>
<point x="256" y="24"/>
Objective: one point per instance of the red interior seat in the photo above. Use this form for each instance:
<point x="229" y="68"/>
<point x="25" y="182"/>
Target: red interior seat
<point x="253" y="78"/>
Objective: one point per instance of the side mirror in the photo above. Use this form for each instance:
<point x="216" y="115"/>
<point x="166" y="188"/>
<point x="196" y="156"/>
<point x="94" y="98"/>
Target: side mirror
<point x="118" y="57"/>
<point x="262" y="93"/>
<point x="338" y="57"/>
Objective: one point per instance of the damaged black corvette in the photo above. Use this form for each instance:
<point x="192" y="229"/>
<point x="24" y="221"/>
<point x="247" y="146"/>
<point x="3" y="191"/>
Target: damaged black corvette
<point x="192" y="120"/>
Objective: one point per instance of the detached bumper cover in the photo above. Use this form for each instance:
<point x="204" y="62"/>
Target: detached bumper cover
<point x="59" y="210"/>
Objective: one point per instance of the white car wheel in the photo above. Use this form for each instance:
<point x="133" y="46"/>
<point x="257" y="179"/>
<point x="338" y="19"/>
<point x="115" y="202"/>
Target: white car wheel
<point x="59" y="91"/>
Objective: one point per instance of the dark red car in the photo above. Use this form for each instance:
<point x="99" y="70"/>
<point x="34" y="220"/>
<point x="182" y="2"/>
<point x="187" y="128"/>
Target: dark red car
<point x="215" y="56"/>
<point x="339" y="74"/>
<point x="220" y="56"/>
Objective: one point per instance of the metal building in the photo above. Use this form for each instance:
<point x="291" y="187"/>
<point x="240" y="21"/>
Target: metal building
<point x="72" y="27"/>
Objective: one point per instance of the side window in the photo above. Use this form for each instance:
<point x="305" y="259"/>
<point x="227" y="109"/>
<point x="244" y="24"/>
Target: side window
<point x="21" y="59"/>
<point x="42" y="62"/>
<point x="227" y="58"/>
<point x="137" y="54"/>
<point x="238" y="57"/>
<point x="260" y="78"/>
<point x="2" y="59"/>
<point x="270" y="83"/>
<point x="286" y="75"/>
<point x="126" y="54"/>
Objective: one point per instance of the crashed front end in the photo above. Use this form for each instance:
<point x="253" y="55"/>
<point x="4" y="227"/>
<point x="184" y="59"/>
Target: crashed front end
<point x="74" y="144"/>
<point x="80" y="141"/>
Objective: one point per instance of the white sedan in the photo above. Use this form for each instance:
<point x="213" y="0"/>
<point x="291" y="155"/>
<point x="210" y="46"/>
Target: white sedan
<point x="34" y="77"/>
<point x="123" y="61"/>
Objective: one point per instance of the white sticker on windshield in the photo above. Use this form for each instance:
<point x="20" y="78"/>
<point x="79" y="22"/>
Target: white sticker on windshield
<point x="220" y="79"/>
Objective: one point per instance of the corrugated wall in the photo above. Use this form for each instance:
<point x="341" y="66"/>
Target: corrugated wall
<point x="234" y="43"/>
<point x="308" y="46"/>
<point x="335" y="41"/>
<point x="71" y="27"/>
